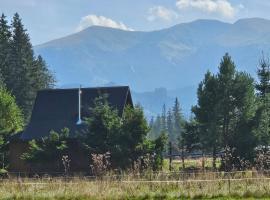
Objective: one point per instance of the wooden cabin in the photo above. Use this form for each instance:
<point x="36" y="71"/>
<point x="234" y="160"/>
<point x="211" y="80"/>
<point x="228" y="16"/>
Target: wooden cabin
<point x="55" y="109"/>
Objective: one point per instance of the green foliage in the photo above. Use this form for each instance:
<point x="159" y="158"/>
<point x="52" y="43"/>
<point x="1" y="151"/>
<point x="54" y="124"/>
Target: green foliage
<point x="190" y="136"/>
<point x="102" y="127"/>
<point x="160" y="145"/>
<point x="22" y="73"/>
<point x="5" y="36"/>
<point x="263" y="72"/>
<point x="124" y="137"/>
<point x="262" y="119"/>
<point x="134" y="132"/>
<point x="206" y="113"/>
<point x="48" y="149"/>
<point x="11" y="120"/>
<point x="171" y="122"/>
<point x="225" y="110"/>
<point x="178" y="120"/>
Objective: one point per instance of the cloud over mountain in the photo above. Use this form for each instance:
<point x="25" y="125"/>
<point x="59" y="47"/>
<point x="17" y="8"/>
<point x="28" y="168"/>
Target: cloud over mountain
<point x="220" y="7"/>
<point x="161" y="12"/>
<point x="94" y="20"/>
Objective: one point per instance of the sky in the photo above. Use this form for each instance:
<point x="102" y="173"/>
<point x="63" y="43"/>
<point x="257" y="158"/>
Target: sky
<point x="46" y="20"/>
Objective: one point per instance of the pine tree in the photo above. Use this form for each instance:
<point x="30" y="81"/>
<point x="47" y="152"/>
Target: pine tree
<point x="170" y="126"/>
<point x="5" y="36"/>
<point x="206" y="113"/>
<point x="151" y="134"/>
<point x="21" y="62"/>
<point x="157" y="127"/>
<point x="263" y="72"/>
<point x="226" y="107"/>
<point x="263" y="111"/>
<point x="163" y="119"/>
<point x="178" y="119"/>
<point x="27" y="74"/>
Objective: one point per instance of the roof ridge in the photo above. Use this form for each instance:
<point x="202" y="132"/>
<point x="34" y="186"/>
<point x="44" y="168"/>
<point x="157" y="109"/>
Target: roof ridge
<point x="75" y="88"/>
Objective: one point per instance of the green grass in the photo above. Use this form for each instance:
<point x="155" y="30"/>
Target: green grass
<point x="160" y="186"/>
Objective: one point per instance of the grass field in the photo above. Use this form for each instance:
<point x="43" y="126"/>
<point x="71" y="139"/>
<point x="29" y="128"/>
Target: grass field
<point x="238" y="185"/>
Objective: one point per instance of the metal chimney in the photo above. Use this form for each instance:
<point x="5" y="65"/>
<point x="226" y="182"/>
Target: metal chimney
<point x="79" y="106"/>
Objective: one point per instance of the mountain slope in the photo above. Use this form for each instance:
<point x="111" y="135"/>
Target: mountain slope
<point x="172" y="58"/>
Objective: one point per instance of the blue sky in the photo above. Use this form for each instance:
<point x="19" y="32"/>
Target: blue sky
<point x="51" y="19"/>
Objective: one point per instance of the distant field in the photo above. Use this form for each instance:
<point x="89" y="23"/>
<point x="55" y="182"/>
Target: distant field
<point x="237" y="185"/>
<point x="190" y="163"/>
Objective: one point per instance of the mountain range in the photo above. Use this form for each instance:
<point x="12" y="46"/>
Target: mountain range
<point x="157" y="65"/>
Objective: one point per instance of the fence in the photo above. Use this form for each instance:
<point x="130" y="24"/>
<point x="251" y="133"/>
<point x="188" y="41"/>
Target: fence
<point x="147" y="176"/>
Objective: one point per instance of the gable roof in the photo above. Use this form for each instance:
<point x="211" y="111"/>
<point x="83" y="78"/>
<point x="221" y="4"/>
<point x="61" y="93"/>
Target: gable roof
<point x="55" y="109"/>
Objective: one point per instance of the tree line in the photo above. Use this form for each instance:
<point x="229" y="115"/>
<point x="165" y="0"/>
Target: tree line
<point x="22" y="74"/>
<point x="231" y="118"/>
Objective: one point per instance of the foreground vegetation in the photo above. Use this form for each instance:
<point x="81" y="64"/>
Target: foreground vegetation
<point x="234" y="185"/>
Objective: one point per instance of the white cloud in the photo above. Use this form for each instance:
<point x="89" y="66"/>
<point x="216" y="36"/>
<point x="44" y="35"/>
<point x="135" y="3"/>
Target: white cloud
<point x="160" y="12"/>
<point x="221" y="7"/>
<point x="94" y="20"/>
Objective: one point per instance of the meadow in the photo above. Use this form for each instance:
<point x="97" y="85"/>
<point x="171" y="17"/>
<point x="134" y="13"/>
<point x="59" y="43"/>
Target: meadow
<point x="173" y="185"/>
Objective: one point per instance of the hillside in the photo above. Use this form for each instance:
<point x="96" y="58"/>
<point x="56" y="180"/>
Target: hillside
<point x="175" y="58"/>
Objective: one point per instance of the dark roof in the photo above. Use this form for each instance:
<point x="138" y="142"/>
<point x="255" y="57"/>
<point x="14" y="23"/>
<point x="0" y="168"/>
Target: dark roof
<point x="55" y="109"/>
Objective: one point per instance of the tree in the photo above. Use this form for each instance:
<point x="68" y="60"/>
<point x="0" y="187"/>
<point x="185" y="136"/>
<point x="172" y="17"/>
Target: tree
<point x="170" y="126"/>
<point x="178" y="120"/>
<point x="263" y="112"/>
<point x="5" y="37"/>
<point x="236" y="106"/>
<point x="134" y="132"/>
<point x="263" y="72"/>
<point x="159" y="148"/>
<point x="125" y="138"/>
<point x="226" y="107"/>
<point x="190" y="135"/>
<point x="102" y="129"/>
<point x="163" y="118"/>
<point x="31" y="74"/>
<point x="241" y="137"/>
<point x="11" y="120"/>
<point x="155" y="126"/>
<point x="206" y="114"/>
<point x="48" y="150"/>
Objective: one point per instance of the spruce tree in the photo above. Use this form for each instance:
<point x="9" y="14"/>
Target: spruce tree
<point x="163" y="119"/>
<point x="263" y="72"/>
<point x="170" y="126"/>
<point x="263" y="111"/>
<point x="226" y="107"/>
<point x="178" y="119"/>
<point x="5" y="36"/>
<point x="28" y="75"/>
<point x="21" y="62"/>
<point x="206" y="113"/>
<point x="157" y="127"/>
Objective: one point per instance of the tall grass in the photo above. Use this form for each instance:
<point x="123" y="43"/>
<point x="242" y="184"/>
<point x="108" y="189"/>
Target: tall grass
<point x="148" y="186"/>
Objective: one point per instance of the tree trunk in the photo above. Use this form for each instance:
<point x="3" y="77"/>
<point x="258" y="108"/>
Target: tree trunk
<point x="203" y="162"/>
<point x="183" y="158"/>
<point x="170" y="153"/>
<point x="214" y="157"/>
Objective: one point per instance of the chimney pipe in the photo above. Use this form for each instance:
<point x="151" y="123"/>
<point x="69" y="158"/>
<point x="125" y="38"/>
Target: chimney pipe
<point x="79" y="106"/>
